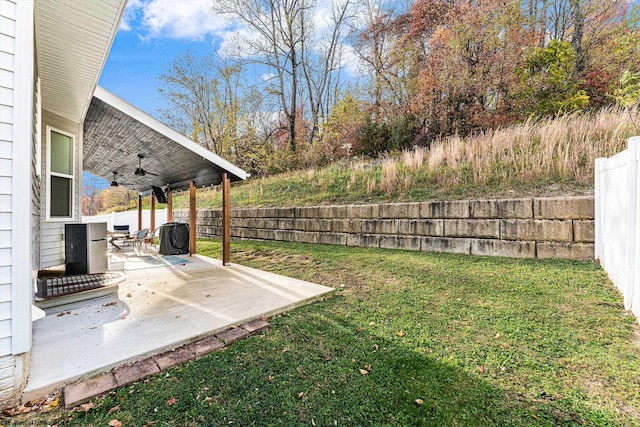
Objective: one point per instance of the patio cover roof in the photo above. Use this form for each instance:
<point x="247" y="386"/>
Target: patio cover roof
<point x="115" y="132"/>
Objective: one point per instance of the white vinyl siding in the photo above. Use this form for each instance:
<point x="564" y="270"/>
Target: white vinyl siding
<point x="52" y="230"/>
<point x="36" y="173"/>
<point x="7" y="71"/>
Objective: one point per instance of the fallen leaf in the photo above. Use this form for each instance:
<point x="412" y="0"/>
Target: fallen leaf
<point x="270" y="378"/>
<point x="109" y="304"/>
<point x="300" y="394"/>
<point x="171" y="401"/>
<point x="62" y="313"/>
<point x="558" y="396"/>
<point x="481" y="369"/>
<point x="367" y="367"/>
<point x="400" y="333"/>
<point x="115" y="423"/>
<point x="86" y="407"/>
<point x="375" y="346"/>
<point x="114" y="409"/>
<point x="129" y="295"/>
<point x="55" y="402"/>
<point x="359" y="328"/>
<point x="364" y="372"/>
<point x="419" y="401"/>
<point x="207" y="296"/>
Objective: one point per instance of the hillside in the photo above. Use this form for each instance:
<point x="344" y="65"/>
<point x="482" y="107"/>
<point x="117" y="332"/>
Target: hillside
<point x="547" y="157"/>
<point x="552" y="156"/>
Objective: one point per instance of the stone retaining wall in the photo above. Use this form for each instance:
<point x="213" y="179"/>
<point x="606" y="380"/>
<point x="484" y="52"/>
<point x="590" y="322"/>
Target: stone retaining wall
<point x="559" y="227"/>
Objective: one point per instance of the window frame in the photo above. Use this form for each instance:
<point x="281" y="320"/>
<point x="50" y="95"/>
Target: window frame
<point x="71" y="177"/>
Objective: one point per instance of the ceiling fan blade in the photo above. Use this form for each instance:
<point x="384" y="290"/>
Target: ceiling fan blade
<point x="141" y="172"/>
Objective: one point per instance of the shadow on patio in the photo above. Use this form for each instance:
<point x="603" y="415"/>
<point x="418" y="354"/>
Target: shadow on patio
<point x="164" y="303"/>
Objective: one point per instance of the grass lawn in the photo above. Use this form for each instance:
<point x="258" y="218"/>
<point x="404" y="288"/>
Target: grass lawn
<point x="409" y="339"/>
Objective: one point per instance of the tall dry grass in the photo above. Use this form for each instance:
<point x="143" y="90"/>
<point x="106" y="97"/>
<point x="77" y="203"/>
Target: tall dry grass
<point x="530" y="156"/>
<point x="553" y="149"/>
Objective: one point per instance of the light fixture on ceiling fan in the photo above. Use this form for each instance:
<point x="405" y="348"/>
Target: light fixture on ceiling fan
<point x="115" y="183"/>
<point x="139" y="171"/>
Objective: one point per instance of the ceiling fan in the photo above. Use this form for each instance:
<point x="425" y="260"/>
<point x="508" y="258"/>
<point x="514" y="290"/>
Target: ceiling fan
<point x="115" y="183"/>
<point x="139" y="171"/>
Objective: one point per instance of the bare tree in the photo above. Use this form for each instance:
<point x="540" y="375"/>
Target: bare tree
<point x="203" y="94"/>
<point x="284" y="39"/>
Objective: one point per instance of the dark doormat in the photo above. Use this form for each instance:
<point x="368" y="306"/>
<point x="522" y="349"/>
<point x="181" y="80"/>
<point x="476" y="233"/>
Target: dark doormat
<point x="50" y="287"/>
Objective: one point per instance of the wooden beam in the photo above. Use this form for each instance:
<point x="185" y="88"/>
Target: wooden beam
<point x="226" y="219"/>
<point x="153" y="211"/>
<point x="139" y="212"/>
<point x="192" y="218"/>
<point x="169" y="205"/>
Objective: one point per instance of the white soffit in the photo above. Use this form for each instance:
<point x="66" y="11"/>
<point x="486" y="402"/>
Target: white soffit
<point x="73" y="39"/>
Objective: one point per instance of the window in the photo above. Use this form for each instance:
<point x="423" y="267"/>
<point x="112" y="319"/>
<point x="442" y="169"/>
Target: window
<point x="60" y="174"/>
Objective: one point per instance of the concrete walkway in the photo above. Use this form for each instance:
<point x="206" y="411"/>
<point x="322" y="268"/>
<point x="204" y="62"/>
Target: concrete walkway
<point x="156" y="309"/>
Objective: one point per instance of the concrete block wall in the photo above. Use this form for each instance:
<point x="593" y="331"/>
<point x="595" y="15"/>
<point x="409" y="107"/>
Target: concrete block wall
<point x="558" y="227"/>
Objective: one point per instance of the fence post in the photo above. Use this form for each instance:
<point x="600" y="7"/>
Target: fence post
<point x="598" y="213"/>
<point x="632" y="296"/>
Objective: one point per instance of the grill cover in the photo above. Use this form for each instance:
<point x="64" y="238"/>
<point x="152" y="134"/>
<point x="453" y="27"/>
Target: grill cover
<point x="174" y="239"/>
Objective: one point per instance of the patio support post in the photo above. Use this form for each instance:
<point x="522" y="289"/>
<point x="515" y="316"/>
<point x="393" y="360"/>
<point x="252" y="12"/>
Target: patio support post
<point x="139" y="212"/>
<point x="226" y="219"/>
<point x="153" y="211"/>
<point x="169" y="205"/>
<point x="192" y="218"/>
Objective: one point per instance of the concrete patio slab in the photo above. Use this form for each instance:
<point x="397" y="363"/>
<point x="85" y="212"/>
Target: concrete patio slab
<point x="156" y="309"/>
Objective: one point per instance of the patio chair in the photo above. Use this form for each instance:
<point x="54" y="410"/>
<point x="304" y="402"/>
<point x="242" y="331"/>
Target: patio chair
<point x="138" y="239"/>
<point x="119" y="234"/>
<point x="151" y="238"/>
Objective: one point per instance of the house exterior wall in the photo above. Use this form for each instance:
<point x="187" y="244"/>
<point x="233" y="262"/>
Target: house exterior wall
<point x="7" y="73"/>
<point x="16" y="150"/>
<point x="52" y="231"/>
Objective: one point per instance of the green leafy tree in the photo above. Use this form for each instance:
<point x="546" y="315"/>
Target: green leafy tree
<point x="551" y="85"/>
<point x="628" y="94"/>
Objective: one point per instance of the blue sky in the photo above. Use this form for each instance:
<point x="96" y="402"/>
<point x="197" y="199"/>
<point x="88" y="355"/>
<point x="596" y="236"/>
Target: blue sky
<point x="153" y="33"/>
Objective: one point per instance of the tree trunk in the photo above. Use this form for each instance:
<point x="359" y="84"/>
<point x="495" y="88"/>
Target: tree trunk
<point x="578" y="30"/>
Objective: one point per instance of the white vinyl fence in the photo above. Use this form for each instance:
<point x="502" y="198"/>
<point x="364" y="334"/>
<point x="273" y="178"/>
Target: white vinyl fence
<point x="617" y="221"/>
<point x="129" y="218"/>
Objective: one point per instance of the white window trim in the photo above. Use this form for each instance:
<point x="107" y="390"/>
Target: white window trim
<point x="71" y="177"/>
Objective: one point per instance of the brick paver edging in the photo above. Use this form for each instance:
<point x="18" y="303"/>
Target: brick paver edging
<point x="88" y="388"/>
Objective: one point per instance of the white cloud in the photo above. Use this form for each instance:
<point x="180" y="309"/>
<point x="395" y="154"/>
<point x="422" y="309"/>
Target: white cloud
<point x="351" y="62"/>
<point x="186" y="19"/>
<point x="194" y="19"/>
<point x="267" y="76"/>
